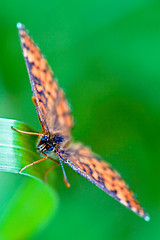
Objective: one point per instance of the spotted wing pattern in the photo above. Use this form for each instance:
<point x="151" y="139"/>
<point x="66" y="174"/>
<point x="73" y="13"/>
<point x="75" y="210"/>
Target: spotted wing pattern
<point x="100" y="173"/>
<point x="52" y="107"/>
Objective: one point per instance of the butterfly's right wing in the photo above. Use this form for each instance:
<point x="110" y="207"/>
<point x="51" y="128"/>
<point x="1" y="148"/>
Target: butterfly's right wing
<point x="52" y="107"/>
<point x="101" y="173"/>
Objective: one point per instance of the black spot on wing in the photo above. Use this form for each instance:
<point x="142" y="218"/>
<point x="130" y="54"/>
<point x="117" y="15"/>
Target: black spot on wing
<point x="129" y="205"/>
<point x="25" y="46"/>
<point x="114" y="195"/>
<point x="29" y="64"/>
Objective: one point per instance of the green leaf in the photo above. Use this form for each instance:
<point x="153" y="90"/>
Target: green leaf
<point x="18" y="150"/>
<point x="30" y="209"/>
<point x="34" y="202"/>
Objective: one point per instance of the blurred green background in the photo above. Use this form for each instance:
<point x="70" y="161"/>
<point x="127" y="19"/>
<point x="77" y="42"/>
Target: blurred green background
<point x="106" y="56"/>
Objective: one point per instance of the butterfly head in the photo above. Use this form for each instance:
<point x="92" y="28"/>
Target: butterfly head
<point x="48" y="144"/>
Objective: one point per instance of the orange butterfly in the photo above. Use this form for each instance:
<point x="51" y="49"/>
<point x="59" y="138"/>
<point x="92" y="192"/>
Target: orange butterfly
<point x="56" y="120"/>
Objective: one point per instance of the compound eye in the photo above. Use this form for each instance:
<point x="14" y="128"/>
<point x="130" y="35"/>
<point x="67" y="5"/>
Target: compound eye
<point x="44" y="138"/>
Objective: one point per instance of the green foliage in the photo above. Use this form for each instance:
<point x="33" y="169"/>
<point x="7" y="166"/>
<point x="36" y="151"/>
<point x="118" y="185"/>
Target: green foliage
<point x="19" y="150"/>
<point x="34" y="202"/>
<point x="106" y="56"/>
<point x="29" y="210"/>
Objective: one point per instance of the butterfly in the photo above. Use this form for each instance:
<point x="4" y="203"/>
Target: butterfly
<point x="55" y="117"/>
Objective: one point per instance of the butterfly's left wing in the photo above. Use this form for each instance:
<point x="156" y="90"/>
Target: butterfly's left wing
<point x="51" y="104"/>
<point x="100" y="173"/>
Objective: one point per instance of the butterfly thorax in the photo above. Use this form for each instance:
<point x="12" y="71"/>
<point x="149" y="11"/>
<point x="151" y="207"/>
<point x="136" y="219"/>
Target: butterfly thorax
<point x="49" y="143"/>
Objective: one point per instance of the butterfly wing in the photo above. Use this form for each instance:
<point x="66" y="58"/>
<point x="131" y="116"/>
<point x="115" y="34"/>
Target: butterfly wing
<point x="52" y="107"/>
<point x="100" y="173"/>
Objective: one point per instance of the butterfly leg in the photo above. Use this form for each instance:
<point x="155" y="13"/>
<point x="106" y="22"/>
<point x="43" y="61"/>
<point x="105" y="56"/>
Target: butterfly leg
<point x="55" y="161"/>
<point x="30" y="133"/>
<point x="59" y="163"/>
<point x="49" y="170"/>
<point x="33" y="163"/>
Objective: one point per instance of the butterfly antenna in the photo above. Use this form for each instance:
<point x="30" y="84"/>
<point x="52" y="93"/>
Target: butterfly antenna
<point x="64" y="175"/>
